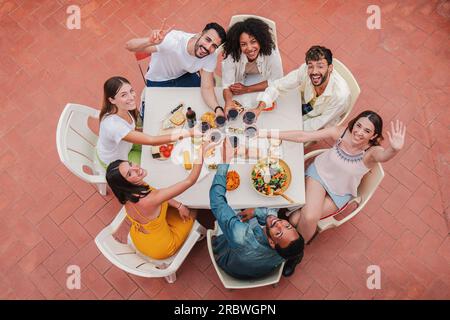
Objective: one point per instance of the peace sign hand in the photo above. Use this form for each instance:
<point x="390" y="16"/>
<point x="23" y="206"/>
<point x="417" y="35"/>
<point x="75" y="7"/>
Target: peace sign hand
<point x="397" y="137"/>
<point x="158" y="35"/>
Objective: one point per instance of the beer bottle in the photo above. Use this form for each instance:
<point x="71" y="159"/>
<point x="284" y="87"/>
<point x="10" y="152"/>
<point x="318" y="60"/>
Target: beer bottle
<point x="191" y="118"/>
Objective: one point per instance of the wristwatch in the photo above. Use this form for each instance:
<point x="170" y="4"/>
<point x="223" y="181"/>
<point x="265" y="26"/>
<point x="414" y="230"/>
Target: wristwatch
<point x="215" y="109"/>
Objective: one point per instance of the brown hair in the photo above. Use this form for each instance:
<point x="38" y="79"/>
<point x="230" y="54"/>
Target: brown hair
<point x="377" y="122"/>
<point x="316" y="53"/>
<point x="110" y="89"/>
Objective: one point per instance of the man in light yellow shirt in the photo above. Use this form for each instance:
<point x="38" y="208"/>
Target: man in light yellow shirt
<point x="325" y="94"/>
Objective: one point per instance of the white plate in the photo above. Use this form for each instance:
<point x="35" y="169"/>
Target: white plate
<point x="186" y="144"/>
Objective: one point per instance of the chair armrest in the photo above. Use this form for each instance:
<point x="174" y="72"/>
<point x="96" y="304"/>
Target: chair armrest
<point x="314" y="153"/>
<point x="115" y="224"/>
<point x="354" y="212"/>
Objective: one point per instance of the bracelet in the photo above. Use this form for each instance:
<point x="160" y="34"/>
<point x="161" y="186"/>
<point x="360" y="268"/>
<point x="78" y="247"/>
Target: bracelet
<point x="215" y="109"/>
<point x="179" y="206"/>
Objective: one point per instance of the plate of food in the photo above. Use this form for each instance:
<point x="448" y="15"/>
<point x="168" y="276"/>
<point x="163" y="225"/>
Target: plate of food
<point x="183" y="154"/>
<point x="162" y="152"/>
<point x="271" y="177"/>
<point x="233" y="180"/>
<point x="175" y="119"/>
<point x="209" y="117"/>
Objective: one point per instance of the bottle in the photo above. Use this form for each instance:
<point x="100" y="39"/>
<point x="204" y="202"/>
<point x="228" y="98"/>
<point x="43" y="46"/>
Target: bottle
<point x="191" y="118"/>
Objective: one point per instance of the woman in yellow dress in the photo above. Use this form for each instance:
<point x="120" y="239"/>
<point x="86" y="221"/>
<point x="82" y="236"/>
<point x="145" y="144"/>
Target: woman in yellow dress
<point x="159" y="224"/>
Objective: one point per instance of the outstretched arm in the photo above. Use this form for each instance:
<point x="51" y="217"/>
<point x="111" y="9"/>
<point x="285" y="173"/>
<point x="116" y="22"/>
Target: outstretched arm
<point x="302" y="136"/>
<point x="165" y="194"/>
<point x="145" y="139"/>
<point x="148" y="44"/>
<point x="233" y="229"/>
<point x="396" y="142"/>
<point x="207" y="90"/>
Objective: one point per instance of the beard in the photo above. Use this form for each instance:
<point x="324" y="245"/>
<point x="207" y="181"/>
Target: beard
<point x="197" y="46"/>
<point x="323" y="78"/>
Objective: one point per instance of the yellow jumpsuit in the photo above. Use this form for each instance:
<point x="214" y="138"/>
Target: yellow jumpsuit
<point x="163" y="236"/>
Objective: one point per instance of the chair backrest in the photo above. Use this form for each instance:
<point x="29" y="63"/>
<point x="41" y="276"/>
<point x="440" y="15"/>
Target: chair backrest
<point x="76" y="142"/>
<point x="352" y="84"/>
<point x="230" y="282"/>
<point x="140" y="56"/>
<point x="272" y="25"/>
<point x="370" y="183"/>
<point x="127" y="258"/>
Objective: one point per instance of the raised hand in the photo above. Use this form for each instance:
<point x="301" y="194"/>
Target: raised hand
<point x="397" y="137"/>
<point x="206" y="146"/>
<point x="158" y="35"/>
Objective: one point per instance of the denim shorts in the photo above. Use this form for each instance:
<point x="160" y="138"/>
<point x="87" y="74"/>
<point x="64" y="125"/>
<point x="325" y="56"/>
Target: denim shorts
<point x="338" y="200"/>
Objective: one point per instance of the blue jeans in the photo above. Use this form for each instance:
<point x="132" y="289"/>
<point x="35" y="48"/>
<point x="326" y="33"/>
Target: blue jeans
<point x="186" y="80"/>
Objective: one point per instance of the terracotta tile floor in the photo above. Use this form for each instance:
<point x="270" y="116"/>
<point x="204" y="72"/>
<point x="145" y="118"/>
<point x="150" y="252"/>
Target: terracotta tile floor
<point x="48" y="217"/>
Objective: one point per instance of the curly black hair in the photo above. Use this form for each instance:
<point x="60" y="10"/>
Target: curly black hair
<point x="254" y="27"/>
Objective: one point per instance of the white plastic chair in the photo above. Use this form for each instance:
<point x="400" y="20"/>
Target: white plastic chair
<point x="352" y="84"/>
<point x="76" y="144"/>
<point x="232" y="283"/>
<point x="272" y="25"/>
<point x="366" y="189"/>
<point x="128" y="259"/>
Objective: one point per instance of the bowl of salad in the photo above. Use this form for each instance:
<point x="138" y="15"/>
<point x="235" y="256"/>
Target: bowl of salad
<point x="271" y="177"/>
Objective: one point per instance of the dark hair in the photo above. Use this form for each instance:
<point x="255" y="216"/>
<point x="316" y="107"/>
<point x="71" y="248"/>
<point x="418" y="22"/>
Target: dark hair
<point x="377" y="122"/>
<point x="254" y="27"/>
<point x="219" y="29"/>
<point x="110" y="89"/>
<point x="315" y="53"/>
<point x="293" y="250"/>
<point x="124" y="190"/>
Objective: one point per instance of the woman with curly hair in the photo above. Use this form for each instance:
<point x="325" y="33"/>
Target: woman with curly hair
<point x="249" y="50"/>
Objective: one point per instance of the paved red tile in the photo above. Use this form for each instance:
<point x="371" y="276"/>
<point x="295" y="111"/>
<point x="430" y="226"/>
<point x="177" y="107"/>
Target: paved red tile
<point x="403" y="229"/>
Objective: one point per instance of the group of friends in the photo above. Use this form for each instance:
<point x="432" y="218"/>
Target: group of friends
<point x="246" y="248"/>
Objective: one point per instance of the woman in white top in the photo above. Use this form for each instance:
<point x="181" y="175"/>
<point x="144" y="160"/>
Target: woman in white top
<point x="118" y="119"/>
<point x="334" y="176"/>
<point x="249" y="50"/>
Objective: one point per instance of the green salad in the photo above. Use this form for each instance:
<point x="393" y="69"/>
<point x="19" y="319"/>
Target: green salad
<point x="268" y="177"/>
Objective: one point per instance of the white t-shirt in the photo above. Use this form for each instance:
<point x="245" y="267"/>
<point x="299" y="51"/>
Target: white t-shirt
<point x="110" y="146"/>
<point x="172" y="60"/>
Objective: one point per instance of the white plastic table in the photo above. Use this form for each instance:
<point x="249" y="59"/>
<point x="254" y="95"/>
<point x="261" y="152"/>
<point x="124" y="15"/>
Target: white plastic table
<point x="286" y="116"/>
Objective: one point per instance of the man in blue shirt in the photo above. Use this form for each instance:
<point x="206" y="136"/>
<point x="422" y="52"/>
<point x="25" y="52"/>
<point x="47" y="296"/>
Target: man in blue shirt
<point x="245" y="249"/>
